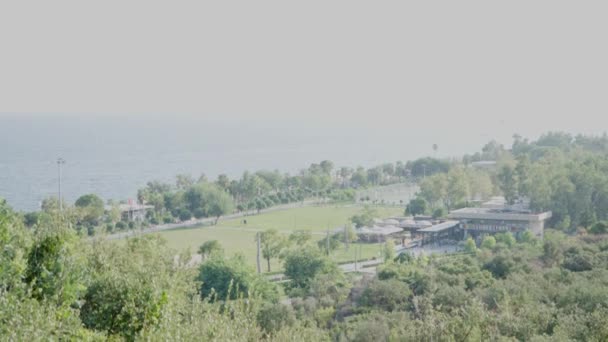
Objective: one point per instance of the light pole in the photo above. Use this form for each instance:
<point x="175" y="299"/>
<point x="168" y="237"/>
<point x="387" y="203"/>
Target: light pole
<point x="60" y="161"/>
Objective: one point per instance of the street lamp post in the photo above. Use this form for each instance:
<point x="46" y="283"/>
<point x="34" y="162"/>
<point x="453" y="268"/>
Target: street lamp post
<point x="60" y="161"/>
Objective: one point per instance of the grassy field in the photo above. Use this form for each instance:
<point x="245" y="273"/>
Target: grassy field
<point x="237" y="237"/>
<point x="314" y="218"/>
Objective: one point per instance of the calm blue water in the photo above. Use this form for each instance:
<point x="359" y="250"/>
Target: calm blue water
<point x="113" y="157"/>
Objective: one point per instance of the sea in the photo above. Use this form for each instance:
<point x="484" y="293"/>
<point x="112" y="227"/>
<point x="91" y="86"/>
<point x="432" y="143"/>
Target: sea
<point x="114" y="156"/>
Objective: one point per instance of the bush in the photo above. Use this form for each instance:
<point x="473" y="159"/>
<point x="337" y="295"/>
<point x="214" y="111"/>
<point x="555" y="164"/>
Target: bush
<point x="53" y="270"/>
<point x="388" y="295"/>
<point x="438" y="213"/>
<point x="109" y="227"/>
<point x="120" y="225"/>
<point x="303" y="265"/>
<point x="578" y="260"/>
<point x="274" y="317"/>
<point x="185" y="215"/>
<point x="119" y="305"/>
<point x="199" y="213"/>
<point x="599" y="228"/>
<point x="225" y="279"/>
<point x="488" y="242"/>
<point x="505" y="238"/>
<point x="417" y="206"/>
<point x="500" y="266"/>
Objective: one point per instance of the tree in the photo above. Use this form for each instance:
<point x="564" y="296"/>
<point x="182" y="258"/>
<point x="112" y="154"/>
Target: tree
<point x="457" y="189"/>
<point x="303" y="264"/>
<point x="388" y="295"/>
<point x="359" y="177"/>
<point x="54" y="271"/>
<point x="185" y="215"/>
<point x="300" y="237"/>
<point x="225" y="279"/>
<point x="331" y="242"/>
<point x="210" y="248"/>
<point x="121" y="305"/>
<point x="388" y="250"/>
<point x="221" y="204"/>
<point x="327" y="166"/>
<point x="522" y="171"/>
<point x="438" y="213"/>
<point x="51" y="204"/>
<point x="14" y="246"/>
<point x="488" y="242"/>
<point x="470" y="246"/>
<point x="223" y="182"/>
<point x="183" y="181"/>
<point x="508" y="183"/>
<point x="416" y="206"/>
<point x="91" y="207"/>
<point x="424" y="167"/>
<point x="365" y="218"/>
<point x="274" y="317"/>
<point x="272" y="243"/>
<point x="500" y="266"/>
<point x="479" y="183"/>
<point x="434" y="189"/>
<point x="599" y="228"/>
<point x="507" y="238"/>
<point x="208" y="200"/>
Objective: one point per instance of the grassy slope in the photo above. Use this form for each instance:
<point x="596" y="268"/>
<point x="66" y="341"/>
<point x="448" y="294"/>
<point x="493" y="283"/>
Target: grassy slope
<point x="236" y="237"/>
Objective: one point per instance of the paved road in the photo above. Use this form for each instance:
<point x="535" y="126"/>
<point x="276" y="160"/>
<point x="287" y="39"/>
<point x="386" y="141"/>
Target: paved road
<point x="205" y="221"/>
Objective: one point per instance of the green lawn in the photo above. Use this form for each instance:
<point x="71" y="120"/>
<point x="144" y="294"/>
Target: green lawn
<point x="315" y="218"/>
<point x="236" y="237"/>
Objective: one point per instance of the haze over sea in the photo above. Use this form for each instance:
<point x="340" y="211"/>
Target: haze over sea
<point x="113" y="156"/>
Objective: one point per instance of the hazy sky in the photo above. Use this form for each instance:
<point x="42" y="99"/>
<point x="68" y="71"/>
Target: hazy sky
<point x="482" y="68"/>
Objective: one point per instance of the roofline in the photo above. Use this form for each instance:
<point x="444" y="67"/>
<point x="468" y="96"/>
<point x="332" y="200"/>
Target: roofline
<point x="459" y="214"/>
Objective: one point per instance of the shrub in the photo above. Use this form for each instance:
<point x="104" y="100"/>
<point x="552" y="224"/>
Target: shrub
<point x="199" y="213"/>
<point x="274" y="317"/>
<point x="599" y="228"/>
<point x="500" y="266"/>
<point x="225" y="279"/>
<point x="302" y="265"/>
<point x="185" y="215"/>
<point x="488" y="242"/>
<point x="388" y="295"/>
<point x="121" y="305"/>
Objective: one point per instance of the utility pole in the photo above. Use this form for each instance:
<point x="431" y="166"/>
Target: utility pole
<point x="60" y="161"/>
<point x="346" y="237"/>
<point x="327" y="242"/>
<point x="355" y="258"/>
<point x="258" y="255"/>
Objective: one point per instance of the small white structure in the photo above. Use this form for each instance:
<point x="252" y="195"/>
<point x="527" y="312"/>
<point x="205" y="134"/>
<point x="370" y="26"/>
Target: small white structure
<point x="133" y="211"/>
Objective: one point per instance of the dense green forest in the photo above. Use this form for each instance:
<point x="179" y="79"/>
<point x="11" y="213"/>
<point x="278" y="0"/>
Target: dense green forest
<point x="57" y="285"/>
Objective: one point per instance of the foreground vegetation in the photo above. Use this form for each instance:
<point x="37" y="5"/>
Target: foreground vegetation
<point x="58" y="286"/>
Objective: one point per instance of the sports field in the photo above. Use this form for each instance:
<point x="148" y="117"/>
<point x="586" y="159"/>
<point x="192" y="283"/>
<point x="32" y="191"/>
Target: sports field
<point x="237" y="237"/>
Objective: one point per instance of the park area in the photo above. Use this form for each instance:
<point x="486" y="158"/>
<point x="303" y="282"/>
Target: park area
<point x="236" y="237"/>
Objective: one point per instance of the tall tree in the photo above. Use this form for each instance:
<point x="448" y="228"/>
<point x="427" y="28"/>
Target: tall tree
<point x="272" y="243"/>
<point x="508" y="183"/>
